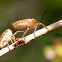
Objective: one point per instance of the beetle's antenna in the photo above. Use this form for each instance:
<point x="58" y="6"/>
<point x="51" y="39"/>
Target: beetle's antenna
<point x="43" y="15"/>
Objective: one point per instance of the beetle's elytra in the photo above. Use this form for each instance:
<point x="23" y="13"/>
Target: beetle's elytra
<point x="26" y="24"/>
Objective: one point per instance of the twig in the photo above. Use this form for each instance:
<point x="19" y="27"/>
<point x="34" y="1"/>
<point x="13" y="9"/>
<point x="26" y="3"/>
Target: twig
<point x="28" y="38"/>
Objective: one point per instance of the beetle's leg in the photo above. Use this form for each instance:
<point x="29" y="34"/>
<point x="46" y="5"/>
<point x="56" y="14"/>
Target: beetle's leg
<point x="0" y="45"/>
<point x="44" y="26"/>
<point x="3" y="44"/>
<point x="13" y="37"/>
<point x="8" y="46"/>
<point x="30" y="30"/>
<point x="35" y="30"/>
<point x="26" y="31"/>
<point x="11" y="41"/>
<point x="17" y="32"/>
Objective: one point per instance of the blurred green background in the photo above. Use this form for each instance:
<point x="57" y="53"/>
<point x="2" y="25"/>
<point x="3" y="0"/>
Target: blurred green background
<point x="34" y="51"/>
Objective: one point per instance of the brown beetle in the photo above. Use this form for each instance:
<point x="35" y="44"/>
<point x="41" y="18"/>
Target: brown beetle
<point x="26" y="24"/>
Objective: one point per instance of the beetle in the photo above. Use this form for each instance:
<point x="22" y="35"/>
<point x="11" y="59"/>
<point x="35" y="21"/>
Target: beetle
<point x="7" y="36"/>
<point x="26" y="24"/>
